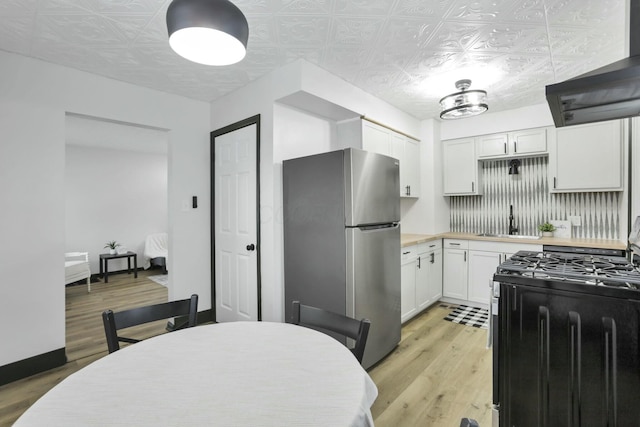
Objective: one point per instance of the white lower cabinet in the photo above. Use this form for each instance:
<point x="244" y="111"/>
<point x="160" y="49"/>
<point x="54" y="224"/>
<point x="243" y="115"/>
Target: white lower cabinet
<point x="421" y="279"/>
<point x="429" y="276"/>
<point x="482" y="267"/>
<point x="454" y="272"/>
<point x="408" y="307"/>
<point x="469" y="267"/>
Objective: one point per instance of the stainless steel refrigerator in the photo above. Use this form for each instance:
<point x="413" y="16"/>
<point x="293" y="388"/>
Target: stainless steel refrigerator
<point x="342" y="240"/>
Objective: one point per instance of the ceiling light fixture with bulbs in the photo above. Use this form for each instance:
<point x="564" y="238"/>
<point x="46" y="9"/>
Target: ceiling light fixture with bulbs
<point x="209" y="32"/>
<point x="465" y="103"/>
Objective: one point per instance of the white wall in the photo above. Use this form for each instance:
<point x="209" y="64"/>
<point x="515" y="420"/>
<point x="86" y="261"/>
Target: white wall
<point x="320" y="83"/>
<point x="260" y="97"/>
<point x="428" y="214"/>
<point x="299" y="133"/>
<point x="35" y="97"/>
<point x="113" y="195"/>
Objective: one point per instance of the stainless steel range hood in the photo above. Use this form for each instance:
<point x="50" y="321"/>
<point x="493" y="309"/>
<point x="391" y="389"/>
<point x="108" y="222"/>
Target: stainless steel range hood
<point x="610" y="92"/>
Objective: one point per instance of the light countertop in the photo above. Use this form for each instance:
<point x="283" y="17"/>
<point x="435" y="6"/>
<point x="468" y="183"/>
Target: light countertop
<point x="414" y="239"/>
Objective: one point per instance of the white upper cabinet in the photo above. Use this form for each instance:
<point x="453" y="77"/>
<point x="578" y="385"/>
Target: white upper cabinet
<point x="530" y="142"/>
<point x="407" y="151"/>
<point x="460" y="168"/>
<point x="587" y="158"/>
<point x="496" y="145"/>
<point x="376" y="139"/>
<point x="379" y="139"/>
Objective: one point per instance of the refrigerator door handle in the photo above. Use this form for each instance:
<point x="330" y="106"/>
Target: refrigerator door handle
<point x="378" y="226"/>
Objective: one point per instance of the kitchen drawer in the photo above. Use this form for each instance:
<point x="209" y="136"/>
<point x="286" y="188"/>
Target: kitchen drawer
<point x="429" y="246"/>
<point x="409" y="254"/>
<point x="504" y="247"/>
<point x="455" y="244"/>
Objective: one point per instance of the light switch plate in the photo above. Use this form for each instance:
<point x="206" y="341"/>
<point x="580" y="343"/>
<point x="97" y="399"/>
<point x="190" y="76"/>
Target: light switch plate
<point x="576" y="221"/>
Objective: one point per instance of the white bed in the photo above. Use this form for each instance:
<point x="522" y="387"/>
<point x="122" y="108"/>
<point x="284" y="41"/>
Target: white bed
<point x="76" y="267"/>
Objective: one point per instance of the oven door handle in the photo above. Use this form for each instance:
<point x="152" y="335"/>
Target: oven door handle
<point x="493" y="310"/>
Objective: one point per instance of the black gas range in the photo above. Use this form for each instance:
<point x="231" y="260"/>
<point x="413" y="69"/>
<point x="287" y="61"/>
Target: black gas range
<point x="566" y="339"/>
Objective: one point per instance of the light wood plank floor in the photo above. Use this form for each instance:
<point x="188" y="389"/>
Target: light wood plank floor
<point x="439" y="373"/>
<point x="84" y="329"/>
<point x="85" y="341"/>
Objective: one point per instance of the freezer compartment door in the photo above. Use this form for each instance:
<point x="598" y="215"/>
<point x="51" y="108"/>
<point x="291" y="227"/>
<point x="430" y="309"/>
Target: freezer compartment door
<point x="372" y="188"/>
<point x="373" y="286"/>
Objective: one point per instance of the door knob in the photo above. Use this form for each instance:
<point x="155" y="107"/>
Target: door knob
<point x="251" y="247"/>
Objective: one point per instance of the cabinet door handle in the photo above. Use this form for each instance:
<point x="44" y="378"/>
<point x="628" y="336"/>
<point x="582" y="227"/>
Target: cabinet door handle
<point x="515" y="147"/>
<point x="473" y="186"/>
<point x="554" y="182"/>
<point x="505" y="148"/>
<point x="454" y="244"/>
<point x="405" y="253"/>
<point x="407" y="190"/>
<point x="465" y="256"/>
<point x="433" y="258"/>
<point x="419" y="262"/>
<point x="432" y="246"/>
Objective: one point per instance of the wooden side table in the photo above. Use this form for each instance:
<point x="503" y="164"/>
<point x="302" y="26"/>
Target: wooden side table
<point x="104" y="258"/>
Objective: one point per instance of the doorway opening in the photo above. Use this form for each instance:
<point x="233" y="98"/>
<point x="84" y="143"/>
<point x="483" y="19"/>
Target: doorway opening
<point x="116" y="189"/>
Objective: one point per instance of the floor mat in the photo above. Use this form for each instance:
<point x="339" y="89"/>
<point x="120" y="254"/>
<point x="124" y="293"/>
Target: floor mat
<point x="162" y="279"/>
<point x="470" y="316"/>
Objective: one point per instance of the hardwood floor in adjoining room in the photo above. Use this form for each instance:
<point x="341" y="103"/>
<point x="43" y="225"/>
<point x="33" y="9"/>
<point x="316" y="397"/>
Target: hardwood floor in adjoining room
<point x="439" y="373"/>
<point x="84" y="329"/>
<point x="85" y="340"/>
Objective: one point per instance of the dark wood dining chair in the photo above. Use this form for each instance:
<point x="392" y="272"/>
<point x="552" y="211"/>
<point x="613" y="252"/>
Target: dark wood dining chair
<point x="357" y="330"/>
<point x="150" y="313"/>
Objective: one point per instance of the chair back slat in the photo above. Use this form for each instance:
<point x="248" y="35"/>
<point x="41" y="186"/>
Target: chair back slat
<point x="358" y="330"/>
<point x="141" y="315"/>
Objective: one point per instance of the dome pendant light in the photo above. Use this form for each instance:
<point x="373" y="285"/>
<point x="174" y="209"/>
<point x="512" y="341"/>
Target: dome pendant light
<point x="210" y="32"/>
<point x="465" y="103"/>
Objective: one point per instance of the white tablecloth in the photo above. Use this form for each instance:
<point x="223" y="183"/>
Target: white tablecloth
<point x="228" y="374"/>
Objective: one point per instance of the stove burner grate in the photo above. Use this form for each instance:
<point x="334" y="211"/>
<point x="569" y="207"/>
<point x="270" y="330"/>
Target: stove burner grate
<point x="593" y="270"/>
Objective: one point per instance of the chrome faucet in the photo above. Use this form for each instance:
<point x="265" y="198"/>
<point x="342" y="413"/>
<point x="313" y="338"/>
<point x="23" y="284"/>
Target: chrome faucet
<point x="512" y="229"/>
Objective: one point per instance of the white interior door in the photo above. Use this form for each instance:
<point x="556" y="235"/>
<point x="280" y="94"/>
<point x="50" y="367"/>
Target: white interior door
<point x="235" y="225"/>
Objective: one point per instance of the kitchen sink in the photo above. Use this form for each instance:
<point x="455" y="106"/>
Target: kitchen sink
<point x="508" y="236"/>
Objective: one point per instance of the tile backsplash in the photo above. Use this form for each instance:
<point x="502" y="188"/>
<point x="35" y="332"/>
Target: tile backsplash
<point x="528" y="192"/>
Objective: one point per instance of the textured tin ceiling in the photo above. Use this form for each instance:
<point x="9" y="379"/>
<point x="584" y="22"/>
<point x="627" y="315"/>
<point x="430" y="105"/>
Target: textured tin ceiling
<point x="407" y="52"/>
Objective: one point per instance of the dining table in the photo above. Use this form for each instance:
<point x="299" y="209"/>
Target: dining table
<point x="241" y="373"/>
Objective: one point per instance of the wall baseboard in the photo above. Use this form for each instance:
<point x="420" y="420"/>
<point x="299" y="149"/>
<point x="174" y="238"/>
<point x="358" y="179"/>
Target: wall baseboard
<point x="33" y="365"/>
